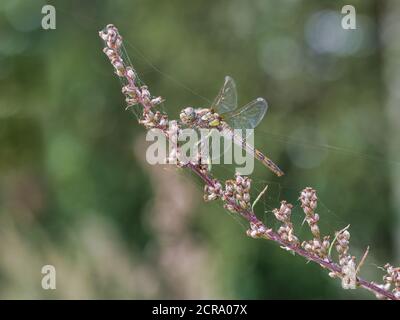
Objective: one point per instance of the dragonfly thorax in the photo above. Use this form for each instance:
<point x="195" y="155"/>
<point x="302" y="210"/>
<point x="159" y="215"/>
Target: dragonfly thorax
<point x="202" y="118"/>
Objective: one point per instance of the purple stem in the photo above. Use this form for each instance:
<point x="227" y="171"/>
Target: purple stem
<point x="272" y="235"/>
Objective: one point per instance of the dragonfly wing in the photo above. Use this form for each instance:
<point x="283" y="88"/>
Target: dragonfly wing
<point x="226" y="100"/>
<point x="249" y="116"/>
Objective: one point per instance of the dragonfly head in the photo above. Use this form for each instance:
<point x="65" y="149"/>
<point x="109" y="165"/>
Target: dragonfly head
<point x="188" y="115"/>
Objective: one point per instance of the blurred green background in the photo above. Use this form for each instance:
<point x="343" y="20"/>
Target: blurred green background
<point x="77" y="193"/>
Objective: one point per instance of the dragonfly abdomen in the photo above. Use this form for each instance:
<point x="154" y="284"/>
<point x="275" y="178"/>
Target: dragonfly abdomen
<point x="268" y="163"/>
<point x="228" y="132"/>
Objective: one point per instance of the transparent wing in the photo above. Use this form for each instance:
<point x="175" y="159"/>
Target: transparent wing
<point x="249" y="116"/>
<point x="226" y="100"/>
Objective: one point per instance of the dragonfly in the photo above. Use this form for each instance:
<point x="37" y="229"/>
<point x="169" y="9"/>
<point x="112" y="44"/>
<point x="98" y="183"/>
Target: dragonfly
<point x="225" y="116"/>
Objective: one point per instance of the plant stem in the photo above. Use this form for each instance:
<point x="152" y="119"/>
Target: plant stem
<point x="271" y="235"/>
